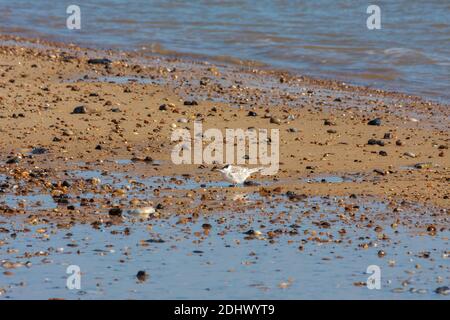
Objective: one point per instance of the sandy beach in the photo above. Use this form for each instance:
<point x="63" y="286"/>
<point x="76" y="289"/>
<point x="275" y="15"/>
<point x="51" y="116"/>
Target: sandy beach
<point x="86" y="137"/>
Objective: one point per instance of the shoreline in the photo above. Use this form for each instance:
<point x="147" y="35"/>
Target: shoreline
<point x="228" y="61"/>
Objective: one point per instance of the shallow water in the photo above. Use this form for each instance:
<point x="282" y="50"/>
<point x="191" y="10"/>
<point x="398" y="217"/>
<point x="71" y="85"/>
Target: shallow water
<point x="324" y="38"/>
<point x="184" y="266"/>
<point x="185" y="262"/>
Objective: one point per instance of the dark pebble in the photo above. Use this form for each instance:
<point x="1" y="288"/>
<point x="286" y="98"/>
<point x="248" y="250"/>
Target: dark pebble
<point x="39" y="150"/>
<point x="80" y="110"/>
<point x="443" y="290"/>
<point x="251" y="183"/>
<point x="13" y="160"/>
<point x="374" y="142"/>
<point x="117" y="212"/>
<point x="142" y="276"/>
<point x="295" y="197"/>
<point x="66" y="184"/>
<point x="374" y="122"/>
<point x="103" y="61"/>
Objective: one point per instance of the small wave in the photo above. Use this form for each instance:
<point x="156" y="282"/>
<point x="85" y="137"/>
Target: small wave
<point x="406" y="56"/>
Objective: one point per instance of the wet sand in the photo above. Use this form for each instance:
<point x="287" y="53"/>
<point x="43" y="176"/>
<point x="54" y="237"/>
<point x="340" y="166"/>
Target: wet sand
<point x="335" y="204"/>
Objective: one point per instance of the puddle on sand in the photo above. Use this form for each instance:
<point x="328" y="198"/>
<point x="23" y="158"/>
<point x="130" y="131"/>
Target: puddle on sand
<point x="31" y="202"/>
<point x="356" y="177"/>
<point x="139" y="187"/>
<point x="185" y="263"/>
<point x="123" y="80"/>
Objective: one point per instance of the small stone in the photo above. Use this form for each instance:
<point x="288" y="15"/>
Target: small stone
<point x="381" y="253"/>
<point x="409" y="154"/>
<point x="374" y="122"/>
<point x="328" y="122"/>
<point x="142" y="276"/>
<point x="66" y="184"/>
<point x="115" y="212"/>
<point x="79" y="110"/>
<point x="388" y="135"/>
<point x="423" y="165"/>
<point x="190" y="103"/>
<point x="252" y="232"/>
<point x="275" y="120"/>
<point x="13" y="160"/>
<point x="373" y="142"/>
<point x="399" y="143"/>
<point x="383" y="153"/>
<point x="68" y="133"/>
<point x="103" y="61"/>
<point x="206" y="226"/>
<point x="443" y="290"/>
<point x="252" y="114"/>
<point x="39" y="150"/>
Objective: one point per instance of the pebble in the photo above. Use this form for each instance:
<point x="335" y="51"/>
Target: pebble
<point x="423" y="165"/>
<point x="115" y="212"/>
<point x="103" y="61"/>
<point x="13" y="160"/>
<point x="443" y="290"/>
<point x="374" y="122"/>
<point x="252" y="114"/>
<point x="275" y="120"/>
<point x="142" y="276"/>
<point x="388" y="135"/>
<point x="373" y="142"/>
<point x="79" y="110"/>
<point x="409" y="154"/>
<point x="190" y="103"/>
<point x="39" y="150"/>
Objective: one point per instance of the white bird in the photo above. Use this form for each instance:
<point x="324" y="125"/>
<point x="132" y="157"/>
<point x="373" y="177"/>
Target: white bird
<point x="236" y="174"/>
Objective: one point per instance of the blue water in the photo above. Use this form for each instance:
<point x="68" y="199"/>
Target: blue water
<point x="323" y="38"/>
